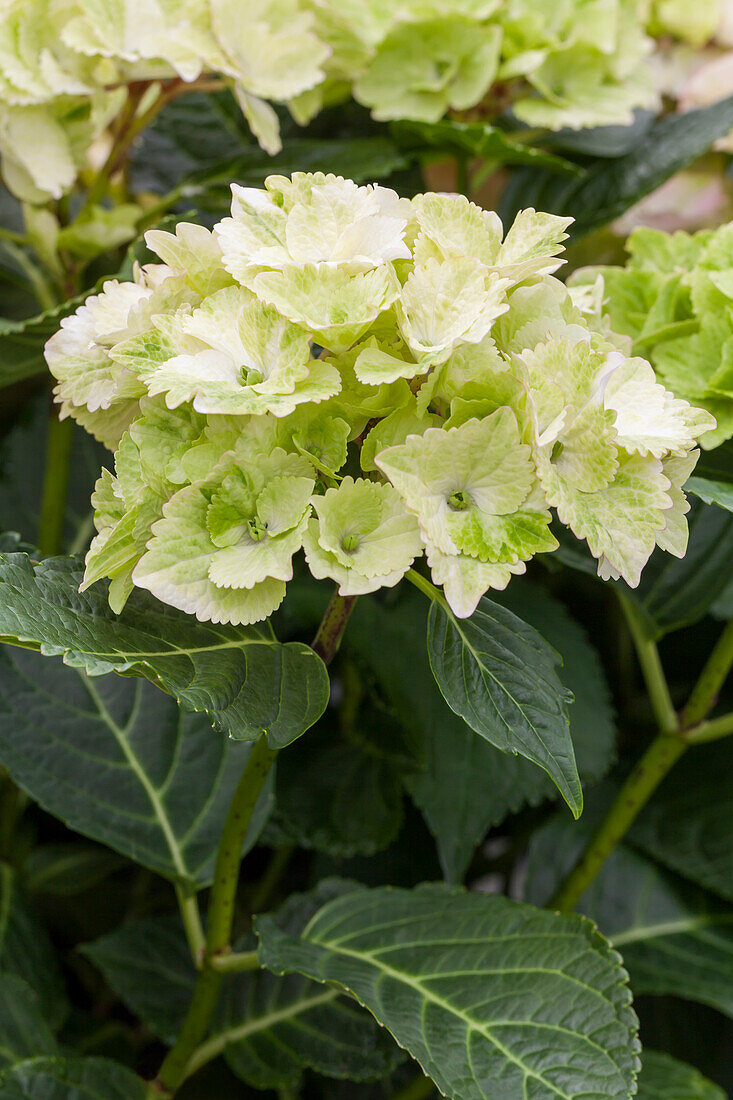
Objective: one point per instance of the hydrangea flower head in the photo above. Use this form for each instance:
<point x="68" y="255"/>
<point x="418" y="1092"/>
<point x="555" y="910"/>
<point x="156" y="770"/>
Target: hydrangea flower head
<point x="369" y="379"/>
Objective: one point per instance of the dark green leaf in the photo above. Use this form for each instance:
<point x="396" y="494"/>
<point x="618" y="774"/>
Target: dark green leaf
<point x="269" y="1029"/>
<point x="675" y="939"/>
<point x="118" y="761"/>
<point x="602" y="141"/>
<point x="70" y="1079"/>
<point x="338" y="795"/>
<point x="64" y="870"/>
<point x="148" y="964"/>
<point x="493" y="998"/>
<point x="665" y="1078"/>
<point x="676" y="592"/>
<point x="242" y="677"/>
<point x="688" y="825"/>
<point x="24" y="1032"/>
<point x="608" y="188"/>
<point x="358" y="159"/>
<point x="26" y="951"/>
<point x="500" y="675"/>
<point x="461" y="783"/>
<point x="477" y="139"/>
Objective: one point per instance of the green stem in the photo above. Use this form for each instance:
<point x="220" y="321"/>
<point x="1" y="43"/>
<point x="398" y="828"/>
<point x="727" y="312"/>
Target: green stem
<point x="426" y="587"/>
<point x="55" y="484"/>
<point x="652" y="671"/>
<point x="674" y="737"/>
<point x="712" y="730"/>
<point x="226" y="872"/>
<point x="235" y="962"/>
<point x="654" y="765"/>
<point x="705" y="693"/>
<point x="191" y="917"/>
<point x="333" y="624"/>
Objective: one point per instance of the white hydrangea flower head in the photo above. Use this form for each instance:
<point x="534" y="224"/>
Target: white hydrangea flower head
<point x="326" y="329"/>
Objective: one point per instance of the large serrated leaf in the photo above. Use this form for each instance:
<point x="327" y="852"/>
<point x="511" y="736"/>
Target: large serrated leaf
<point x="269" y="1029"/>
<point x="608" y="188"/>
<point x="492" y="997"/>
<point x="118" y="761"/>
<point x="665" y="1078"/>
<point x="676" y="940"/>
<point x="70" y="1078"/>
<point x="245" y="680"/>
<point x="500" y="675"/>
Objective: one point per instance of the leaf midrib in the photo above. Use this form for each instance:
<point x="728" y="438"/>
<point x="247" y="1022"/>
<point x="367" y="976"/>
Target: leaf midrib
<point x="153" y="794"/>
<point x="670" y="928"/>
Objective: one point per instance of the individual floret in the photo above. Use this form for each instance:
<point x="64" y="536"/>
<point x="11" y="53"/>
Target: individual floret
<point x="363" y="538"/>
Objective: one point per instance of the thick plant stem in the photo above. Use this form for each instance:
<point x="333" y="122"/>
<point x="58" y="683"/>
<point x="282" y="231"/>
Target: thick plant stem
<point x="333" y="624"/>
<point x="705" y="693"/>
<point x="654" y="765"/>
<point x="226" y="872"/>
<point x="652" y="671"/>
<point x="221" y="913"/>
<point x="180" y="1061"/>
<point x="55" y="484"/>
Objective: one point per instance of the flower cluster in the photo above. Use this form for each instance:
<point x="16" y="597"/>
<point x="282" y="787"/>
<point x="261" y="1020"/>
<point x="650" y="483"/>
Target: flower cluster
<point x="674" y="303"/>
<point x="369" y="378"/>
<point x="569" y="63"/>
<point x="64" y="66"/>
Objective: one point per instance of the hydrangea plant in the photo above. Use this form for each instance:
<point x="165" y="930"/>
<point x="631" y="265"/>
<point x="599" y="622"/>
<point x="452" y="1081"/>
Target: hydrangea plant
<point x="673" y="302"/>
<point x="368" y="378"/>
